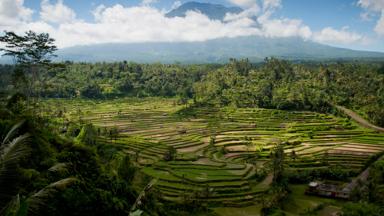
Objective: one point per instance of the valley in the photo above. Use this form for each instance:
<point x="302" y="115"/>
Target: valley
<point x="191" y="108"/>
<point x="222" y="156"/>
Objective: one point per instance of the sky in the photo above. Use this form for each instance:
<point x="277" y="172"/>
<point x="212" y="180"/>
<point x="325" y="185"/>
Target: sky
<point x="354" y="24"/>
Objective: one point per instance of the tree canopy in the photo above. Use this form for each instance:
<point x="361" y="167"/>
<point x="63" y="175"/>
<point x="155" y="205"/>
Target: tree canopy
<point x="32" y="48"/>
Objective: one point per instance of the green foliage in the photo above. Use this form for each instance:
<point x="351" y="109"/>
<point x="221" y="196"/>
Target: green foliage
<point x="136" y="213"/>
<point x="32" y="48"/>
<point x="122" y="167"/>
<point x="16" y="103"/>
<point x="106" y="80"/>
<point x="87" y="135"/>
<point x="278" y="165"/>
<point x="73" y="130"/>
<point x="283" y="85"/>
<point x="32" y="52"/>
<point x="13" y="150"/>
<point x="99" y="178"/>
<point x="360" y="209"/>
<point x="171" y="154"/>
<point x="377" y="172"/>
<point x="331" y="173"/>
<point x="92" y="90"/>
<point x="49" y="175"/>
<point x="273" y="84"/>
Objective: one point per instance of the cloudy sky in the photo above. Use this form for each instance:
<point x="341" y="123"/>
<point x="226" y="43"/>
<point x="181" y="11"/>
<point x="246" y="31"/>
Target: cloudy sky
<point x="356" y="24"/>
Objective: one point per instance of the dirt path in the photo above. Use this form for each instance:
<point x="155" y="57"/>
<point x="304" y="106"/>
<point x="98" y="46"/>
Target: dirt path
<point x="365" y="174"/>
<point x="362" y="178"/>
<point x="359" y="119"/>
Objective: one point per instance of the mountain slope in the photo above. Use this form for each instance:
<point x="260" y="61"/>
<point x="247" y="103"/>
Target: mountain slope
<point x="212" y="51"/>
<point x="213" y="11"/>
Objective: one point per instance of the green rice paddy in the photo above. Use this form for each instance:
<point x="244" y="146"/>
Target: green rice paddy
<point x="222" y="153"/>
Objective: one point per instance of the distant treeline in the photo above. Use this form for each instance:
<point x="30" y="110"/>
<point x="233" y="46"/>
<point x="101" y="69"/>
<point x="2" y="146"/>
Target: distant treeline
<point x="272" y="84"/>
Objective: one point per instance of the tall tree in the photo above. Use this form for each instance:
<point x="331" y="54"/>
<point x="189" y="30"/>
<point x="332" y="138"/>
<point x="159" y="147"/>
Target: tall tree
<point x="278" y="163"/>
<point x="30" y="49"/>
<point x="31" y="52"/>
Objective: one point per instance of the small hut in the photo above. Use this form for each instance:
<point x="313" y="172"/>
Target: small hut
<point x="328" y="189"/>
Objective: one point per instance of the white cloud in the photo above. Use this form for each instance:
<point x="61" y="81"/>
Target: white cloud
<point x="13" y="11"/>
<point x="56" y="13"/>
<point x="378" y="7"/>
<point x="144" y="23"/>
<point x="176" y="4"/>
<point x="379" y="28"/>
<point x="271" y="4"/>
<point x="266" y="4"/>
<point x="121" y="24"/>
<point x="97" y="12"/>
<point x="333" y="36"/>
<point x="247" y="13"/>
<point x="374" y="5"/>
<point x="285" y="28"/>
<point x="366" y="16"/>
<point x="148" y="2"/>
<point x="244" y="3"/>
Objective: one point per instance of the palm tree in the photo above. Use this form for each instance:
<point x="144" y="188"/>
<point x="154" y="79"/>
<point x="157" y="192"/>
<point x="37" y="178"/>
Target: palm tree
<point x="134" y="210"/>
<point x="12" y="150"/>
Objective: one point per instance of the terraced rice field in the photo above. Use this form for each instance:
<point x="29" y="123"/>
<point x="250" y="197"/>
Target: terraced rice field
<point x="222" y="154"/>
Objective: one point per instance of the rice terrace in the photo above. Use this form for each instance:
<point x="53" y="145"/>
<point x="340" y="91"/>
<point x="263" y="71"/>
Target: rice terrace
<point x="191" y="108"/>
<point x="221" y="156"/>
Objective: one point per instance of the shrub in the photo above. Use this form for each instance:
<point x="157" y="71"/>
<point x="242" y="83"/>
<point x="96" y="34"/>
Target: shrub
<point x="358" y="209"/>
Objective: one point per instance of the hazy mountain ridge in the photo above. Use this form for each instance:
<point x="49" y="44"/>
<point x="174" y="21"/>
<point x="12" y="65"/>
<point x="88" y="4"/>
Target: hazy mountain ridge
<point x="212" y="51"/>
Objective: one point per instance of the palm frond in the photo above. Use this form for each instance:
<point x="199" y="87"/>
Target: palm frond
<point x="10" y="155"/>
<point x="117" y="161"/>
<point x="143" y="194"/>
<point x="12" y="208"/>
<point x="14" y="150"/>
<point x="136" y="213"/>
<point x="39" y="200"/>
<point x="59" y="168"/>
<point x="12" y="132"/>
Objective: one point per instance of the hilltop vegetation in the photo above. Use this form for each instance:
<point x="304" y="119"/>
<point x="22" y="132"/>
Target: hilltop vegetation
<point x="272" y="84"/>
